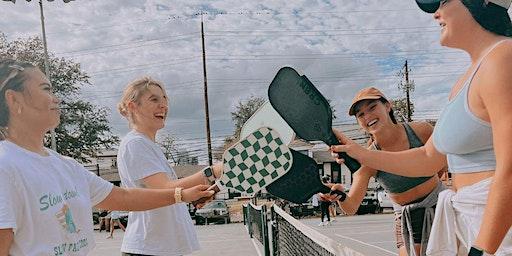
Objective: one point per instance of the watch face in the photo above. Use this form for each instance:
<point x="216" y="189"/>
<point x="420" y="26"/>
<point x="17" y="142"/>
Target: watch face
<point x="475" y="252"/>
<point x="208" y="172"/>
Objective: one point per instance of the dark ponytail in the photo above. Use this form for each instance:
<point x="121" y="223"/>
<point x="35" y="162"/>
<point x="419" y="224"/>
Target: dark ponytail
<point x="391" y="112"/>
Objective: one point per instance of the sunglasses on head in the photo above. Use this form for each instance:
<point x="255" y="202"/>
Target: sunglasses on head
<point x="16" y="69"/>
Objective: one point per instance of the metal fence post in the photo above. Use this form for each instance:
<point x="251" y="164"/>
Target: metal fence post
<point x="264" y="229"/>
<point x="275" y="232"/>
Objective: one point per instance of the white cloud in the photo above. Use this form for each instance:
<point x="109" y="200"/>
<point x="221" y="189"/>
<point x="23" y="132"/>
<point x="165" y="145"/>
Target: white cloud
<point x="342" y="46"/>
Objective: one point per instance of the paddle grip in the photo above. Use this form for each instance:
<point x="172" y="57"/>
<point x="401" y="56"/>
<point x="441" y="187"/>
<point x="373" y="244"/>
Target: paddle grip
<point x="352" y="164"/>
<point x="342" y="194"/>
<point x="203" y="200"/>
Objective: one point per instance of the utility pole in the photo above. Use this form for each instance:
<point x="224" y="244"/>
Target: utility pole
<point x="47" y="68"/>
<point x="407" y="87"/>
<point x="208" y="138"/>
<point x="407" y="92"/>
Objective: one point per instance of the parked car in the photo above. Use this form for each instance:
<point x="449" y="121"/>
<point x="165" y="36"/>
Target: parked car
<point x="215" y="211"/>
<point x="384" y="200"/>
<point x="370" y="203"/>
<point x="191" y="210"/>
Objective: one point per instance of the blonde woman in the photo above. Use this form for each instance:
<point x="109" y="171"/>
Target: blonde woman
<point x="46" y="198"/>
<point x="142" y="164"/>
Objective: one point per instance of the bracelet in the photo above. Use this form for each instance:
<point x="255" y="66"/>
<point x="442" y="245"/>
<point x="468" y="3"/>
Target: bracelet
<point x="177" y="195"/>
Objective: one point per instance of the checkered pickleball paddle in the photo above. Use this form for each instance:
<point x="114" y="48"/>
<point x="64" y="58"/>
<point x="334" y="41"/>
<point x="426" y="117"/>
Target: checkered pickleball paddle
<point x="255" y="161"/>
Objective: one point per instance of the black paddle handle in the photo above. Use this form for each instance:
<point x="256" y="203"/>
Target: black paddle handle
<point x="352" y="164"/>
<point x="342" y="194"/>
<point x="203" y="200"/>
<point x="326" y="190"/>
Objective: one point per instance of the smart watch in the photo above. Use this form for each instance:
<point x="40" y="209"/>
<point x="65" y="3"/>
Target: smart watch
<point x="208" y="174"/>
<point x="475" y="251"/>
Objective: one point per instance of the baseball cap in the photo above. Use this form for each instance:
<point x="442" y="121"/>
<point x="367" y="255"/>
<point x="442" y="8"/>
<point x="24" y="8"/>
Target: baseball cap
<point x="431" y="6"/>
<point x="369" y="93"/>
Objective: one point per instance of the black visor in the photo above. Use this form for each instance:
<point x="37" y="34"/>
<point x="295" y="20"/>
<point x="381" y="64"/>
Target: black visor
<point x="429" y="6"/>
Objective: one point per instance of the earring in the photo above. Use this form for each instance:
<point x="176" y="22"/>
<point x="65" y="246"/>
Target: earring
<point x="19" y="111"/>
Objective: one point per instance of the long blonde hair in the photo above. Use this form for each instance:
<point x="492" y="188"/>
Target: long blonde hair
<point x="134" y="91"/>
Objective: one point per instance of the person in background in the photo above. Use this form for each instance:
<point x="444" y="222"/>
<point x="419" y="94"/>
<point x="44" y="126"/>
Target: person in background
<point x="114" y="220"/>
<point x="325" y="202"/>
<point x="104" y="219"/>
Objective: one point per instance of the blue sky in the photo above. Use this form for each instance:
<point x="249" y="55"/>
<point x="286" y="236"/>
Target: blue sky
<point x="342" y="46"/>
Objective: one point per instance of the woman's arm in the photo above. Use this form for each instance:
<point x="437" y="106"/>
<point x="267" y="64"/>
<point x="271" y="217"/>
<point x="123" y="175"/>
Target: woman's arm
<point x="416" y="162"/>
<point x="138" y="199"/>
<point x="161" y="180"/>
<point x="6" y="239"/>
<point x="357" y="191"/>
<point x="496" y="97"/>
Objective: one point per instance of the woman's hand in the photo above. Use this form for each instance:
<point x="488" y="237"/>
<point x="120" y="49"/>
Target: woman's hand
<point x="348" y="146"/>
<point x="323" y="197"/>
<point x="218" y="169"/>
<point x="194" y="193"/>
<point x="334" y="197"/>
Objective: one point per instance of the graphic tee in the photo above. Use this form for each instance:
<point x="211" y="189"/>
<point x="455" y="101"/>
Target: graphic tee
<point x="47" y="201"/>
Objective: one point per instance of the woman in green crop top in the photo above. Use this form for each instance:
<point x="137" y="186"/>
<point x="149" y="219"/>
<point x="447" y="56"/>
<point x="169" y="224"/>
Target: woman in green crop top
<point x="374" y="114"/>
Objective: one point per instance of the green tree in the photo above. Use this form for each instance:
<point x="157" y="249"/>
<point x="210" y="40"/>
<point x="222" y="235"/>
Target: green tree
<point x="168" y="144"/>
<point x="84" y="128"/>
<point x="173" y="152"/>
<point x="400" y="108"/>
<point x="243" y="111"/>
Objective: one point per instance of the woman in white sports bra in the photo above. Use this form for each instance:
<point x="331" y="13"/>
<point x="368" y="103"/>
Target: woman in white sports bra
<point x="472" y="135"/>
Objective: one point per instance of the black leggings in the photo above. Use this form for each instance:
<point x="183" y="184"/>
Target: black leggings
<point x="324" y="207"/>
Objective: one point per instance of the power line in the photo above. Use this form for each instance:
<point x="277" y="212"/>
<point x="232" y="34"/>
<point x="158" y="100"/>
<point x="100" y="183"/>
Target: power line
<point x="112" y="48"/>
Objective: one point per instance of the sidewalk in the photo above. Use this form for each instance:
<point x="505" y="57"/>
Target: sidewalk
<point x="225" y="240"/>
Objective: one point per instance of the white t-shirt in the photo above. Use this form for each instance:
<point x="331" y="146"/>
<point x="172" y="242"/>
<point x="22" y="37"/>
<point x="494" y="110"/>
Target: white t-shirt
<point x="163" y="231"/>
<point x="47" y="201"/>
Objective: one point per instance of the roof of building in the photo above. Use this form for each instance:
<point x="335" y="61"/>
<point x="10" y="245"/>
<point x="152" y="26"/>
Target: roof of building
<point x="187" y="170"/>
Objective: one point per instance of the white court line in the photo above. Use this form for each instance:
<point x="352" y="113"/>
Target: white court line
<point x="385" y="242"/>
<point x="371" y="245"/>
<point x="256" y="247"/>
<point x="223" y="240"/>
<point x="369" y="232"/>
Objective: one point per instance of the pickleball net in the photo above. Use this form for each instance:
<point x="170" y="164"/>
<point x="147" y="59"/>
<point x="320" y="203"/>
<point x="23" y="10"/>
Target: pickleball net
<point x="290" y="237"/>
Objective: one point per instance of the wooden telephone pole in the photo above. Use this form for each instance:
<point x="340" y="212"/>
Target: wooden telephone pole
<point x="208" y="137"/>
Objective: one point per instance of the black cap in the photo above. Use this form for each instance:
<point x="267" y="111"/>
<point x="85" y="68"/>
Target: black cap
<point x="429" y="6"/>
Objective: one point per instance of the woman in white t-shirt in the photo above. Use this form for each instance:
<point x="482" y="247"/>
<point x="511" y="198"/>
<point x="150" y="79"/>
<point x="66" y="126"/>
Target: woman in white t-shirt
<point x="46" y="199"/>
<point x="141" y="161"/>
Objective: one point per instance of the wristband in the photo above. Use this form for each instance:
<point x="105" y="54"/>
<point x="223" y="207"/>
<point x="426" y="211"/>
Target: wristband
<point x="177" y="195"/>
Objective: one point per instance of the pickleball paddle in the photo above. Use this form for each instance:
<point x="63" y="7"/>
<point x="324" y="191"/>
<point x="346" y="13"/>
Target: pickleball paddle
<point x="305" y="109"/>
